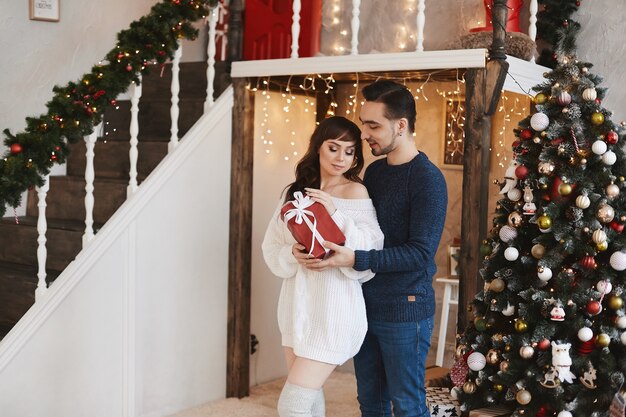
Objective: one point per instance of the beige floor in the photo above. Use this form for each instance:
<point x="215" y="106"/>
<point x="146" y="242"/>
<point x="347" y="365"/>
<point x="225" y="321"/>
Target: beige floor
<point x="340" y="391"/>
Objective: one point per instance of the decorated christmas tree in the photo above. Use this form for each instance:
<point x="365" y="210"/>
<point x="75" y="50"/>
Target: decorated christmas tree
<point x="548" y="336"/>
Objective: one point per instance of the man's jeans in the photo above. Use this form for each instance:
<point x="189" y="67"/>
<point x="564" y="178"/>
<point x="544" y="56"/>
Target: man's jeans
<point x="390" y="367"/>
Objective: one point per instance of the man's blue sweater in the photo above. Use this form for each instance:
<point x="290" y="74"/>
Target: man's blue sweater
<point x="411" y="201"/>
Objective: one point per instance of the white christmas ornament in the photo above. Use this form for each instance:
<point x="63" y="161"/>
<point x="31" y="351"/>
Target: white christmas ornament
<point x="511" y="254"/>
<point x="539" y="122"/>
<point x="509" y="310"/>
<point x="514" y="194"/>
<point x="564" y="413"/>
<point x="598" y="236"/>
<point x="476" y="361"/>
<point x="582" y="201"/>
<point x="604" y="287"/>
<point x="454" y="393"/>
<point x="618" y="261"/>
<point x="609" y="158"/>
<point x="585" y="334"/>
<point x="507" y="233"/>
<point x="590" y="94"/>
<point x="623" y="338"/>
<point x="621" y="322"/>
<point x="599" y="147"/>
<point x="544" y="273"/>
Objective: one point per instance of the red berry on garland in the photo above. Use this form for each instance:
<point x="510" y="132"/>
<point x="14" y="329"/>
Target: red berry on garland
<point x="113" y="102"/>
<point x="57" y="148"/>
<point x="53" y="157"/>
<point x="577" y="4"/>
<point x="598" y="101"/>
<point x="16" y="148"/>
<point x="129" y="68"/>
<point x="594" y="307"/>
<point x="612" y="137"/>
<point x="515" y="144"/>
<point x="526" y="134"/>
<point x="565" y="23"/>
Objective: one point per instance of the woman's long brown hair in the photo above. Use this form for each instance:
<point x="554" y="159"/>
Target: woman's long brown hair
<point x="308" y="168"/>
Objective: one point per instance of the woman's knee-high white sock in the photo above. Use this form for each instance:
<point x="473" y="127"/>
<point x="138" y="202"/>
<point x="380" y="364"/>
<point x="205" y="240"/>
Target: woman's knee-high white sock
<point x="319" y="406"/>
<point x="296" y="401"/>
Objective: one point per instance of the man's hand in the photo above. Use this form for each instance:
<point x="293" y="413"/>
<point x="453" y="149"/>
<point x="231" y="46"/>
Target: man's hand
<point x="342" y="257"/>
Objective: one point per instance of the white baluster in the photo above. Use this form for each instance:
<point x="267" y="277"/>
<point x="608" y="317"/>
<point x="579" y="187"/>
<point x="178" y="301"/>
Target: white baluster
<point x="295" y="28"/>
<point x="90" y="175"/>
<point x="421" y="21"/>
<point x="532" y="28"/>
<point x="356" y="23"/>
<point x="210" y="71"/>
<point x="133" y="153"/>
<point x="174" y="110"/>
<point x="42" y="228"/>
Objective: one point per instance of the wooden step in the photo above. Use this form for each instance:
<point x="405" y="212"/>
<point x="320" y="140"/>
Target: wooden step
<point x="66" y="198"/>
<point x="155" y="121"/>
<point x="18" y="242"/>
<point x="112" y="160"/>
<point x="17" y="292"/>
<point x="192" y="81"/>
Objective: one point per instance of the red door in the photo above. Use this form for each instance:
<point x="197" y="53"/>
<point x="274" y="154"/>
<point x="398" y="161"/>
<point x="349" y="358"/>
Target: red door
<point x="267" y="29"/>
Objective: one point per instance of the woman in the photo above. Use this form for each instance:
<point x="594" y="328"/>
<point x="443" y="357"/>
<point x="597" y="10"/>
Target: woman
<point x="321" y="315"/>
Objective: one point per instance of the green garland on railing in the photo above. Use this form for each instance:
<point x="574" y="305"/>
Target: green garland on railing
<point x="77" y="107"/>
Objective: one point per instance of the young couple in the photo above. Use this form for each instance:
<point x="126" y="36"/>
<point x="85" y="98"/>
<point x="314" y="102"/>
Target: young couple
<point x="324" y="314"/>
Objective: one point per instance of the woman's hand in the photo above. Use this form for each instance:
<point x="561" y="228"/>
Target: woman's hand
<point x="323" y="198"/>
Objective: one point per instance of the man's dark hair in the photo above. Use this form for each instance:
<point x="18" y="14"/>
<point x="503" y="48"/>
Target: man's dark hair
<point x="397" y="99"/>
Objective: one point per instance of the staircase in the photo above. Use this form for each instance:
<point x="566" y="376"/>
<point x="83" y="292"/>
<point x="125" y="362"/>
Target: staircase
<point x="65" y="209"/>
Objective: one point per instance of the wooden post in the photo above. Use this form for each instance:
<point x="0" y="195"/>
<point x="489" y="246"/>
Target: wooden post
<point x="483" y="90"/>
<point x="240" y="244"/>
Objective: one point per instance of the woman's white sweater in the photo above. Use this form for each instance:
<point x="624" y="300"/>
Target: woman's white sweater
<point x="321" y="315"/>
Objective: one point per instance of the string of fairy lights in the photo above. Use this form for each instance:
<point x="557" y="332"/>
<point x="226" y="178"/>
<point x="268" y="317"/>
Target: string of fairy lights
<point x="286" y="95"/>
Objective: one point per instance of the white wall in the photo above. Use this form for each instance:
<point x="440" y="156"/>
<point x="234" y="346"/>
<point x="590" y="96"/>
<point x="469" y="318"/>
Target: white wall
<point x="38" y="55"/>
<point x="271" y="174"/>
<point x="137" y="324"/>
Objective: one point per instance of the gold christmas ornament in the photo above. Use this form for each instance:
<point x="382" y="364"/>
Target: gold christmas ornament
<point x="544" y="222"/>
<point x="493" y="356"/>
<point x="565" y="188"/>
<point x="504" y="366"/>
<point x="515" y="219"/>
<point x="603" y="340"/>
<point x="616" y="302"/>
<point x="521" y="326"/>
<point x="597" y="118"/>
<point x="526" y="352"/>
<point x="612" y="190"/>
<point x="523" y="397"/>
<point x="497" y="285"/>
<point x="602" y="246"/>
<point x="538" y="251"/>
<point x="541" y="98"/>
<point x="545" y="168"/>
<point x="498" y="387"/>
<point x="461" y="350"/>
<point x="469" y="387"/>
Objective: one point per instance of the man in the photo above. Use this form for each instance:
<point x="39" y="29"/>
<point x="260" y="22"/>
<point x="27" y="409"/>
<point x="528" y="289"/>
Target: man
<point x="410" y="197"/>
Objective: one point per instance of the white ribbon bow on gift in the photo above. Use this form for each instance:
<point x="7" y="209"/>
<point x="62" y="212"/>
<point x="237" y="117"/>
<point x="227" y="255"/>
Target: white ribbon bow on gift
<point x="300" y="204"/>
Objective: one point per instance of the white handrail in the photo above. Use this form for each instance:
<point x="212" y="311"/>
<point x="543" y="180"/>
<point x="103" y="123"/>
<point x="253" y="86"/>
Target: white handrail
<point x="133" y="153"/>
<point x="90" y="175"/>
<point x="295" y="28"/>
<point x="42" y="228"/>
<point x="210" y="71"/>
<point x="355" y="24"/>
<point x="175" y="89"/>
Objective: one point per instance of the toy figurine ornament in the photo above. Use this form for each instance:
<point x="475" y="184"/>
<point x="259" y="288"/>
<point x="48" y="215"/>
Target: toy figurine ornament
<point x="510" y="178"/>
<point x="529" y="207"/>
<point x="562" y="361"/>
<point x="551" y="378"/>
<point x="589" y="377"/>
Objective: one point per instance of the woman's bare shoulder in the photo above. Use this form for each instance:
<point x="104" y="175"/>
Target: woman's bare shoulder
<point x="353" y="190"/>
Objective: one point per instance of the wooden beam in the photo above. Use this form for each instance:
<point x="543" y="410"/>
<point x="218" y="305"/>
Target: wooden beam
<point x="240" y="240"/>
<point x="240" y="244"/>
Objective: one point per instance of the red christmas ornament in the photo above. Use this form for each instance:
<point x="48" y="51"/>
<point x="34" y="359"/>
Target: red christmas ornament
<point x="521" y="172"/>
<point x="120" y="55"/>
<point x="543" y="344"/>
<point x="585" y="348"/>
<point x="515" y="144"/>
<point x="565" y="23"/>
<point x="598" y="101"/>
<point x="16" y="148"/>
<point x="526" y="134"/>
<point x="577" y="4"/>
<point x="113" y="102"/>
<point x="588" y="262"/>
<point x="557" y="141"/>
<point x="544" y="411"/>
<point x="619" y="228"/>
<point x="459" y="371"/>
<point x="57" y="148"/>
<point x="593" y="307"/>
<point x="129" y="68"/>
<point x="53" y="157"/>
<point x="612" y="137"/>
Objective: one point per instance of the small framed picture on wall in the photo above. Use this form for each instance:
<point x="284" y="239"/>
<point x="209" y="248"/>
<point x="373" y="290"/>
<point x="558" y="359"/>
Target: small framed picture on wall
<point x="46" y="10"/>
<point x="454" y="133"/>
